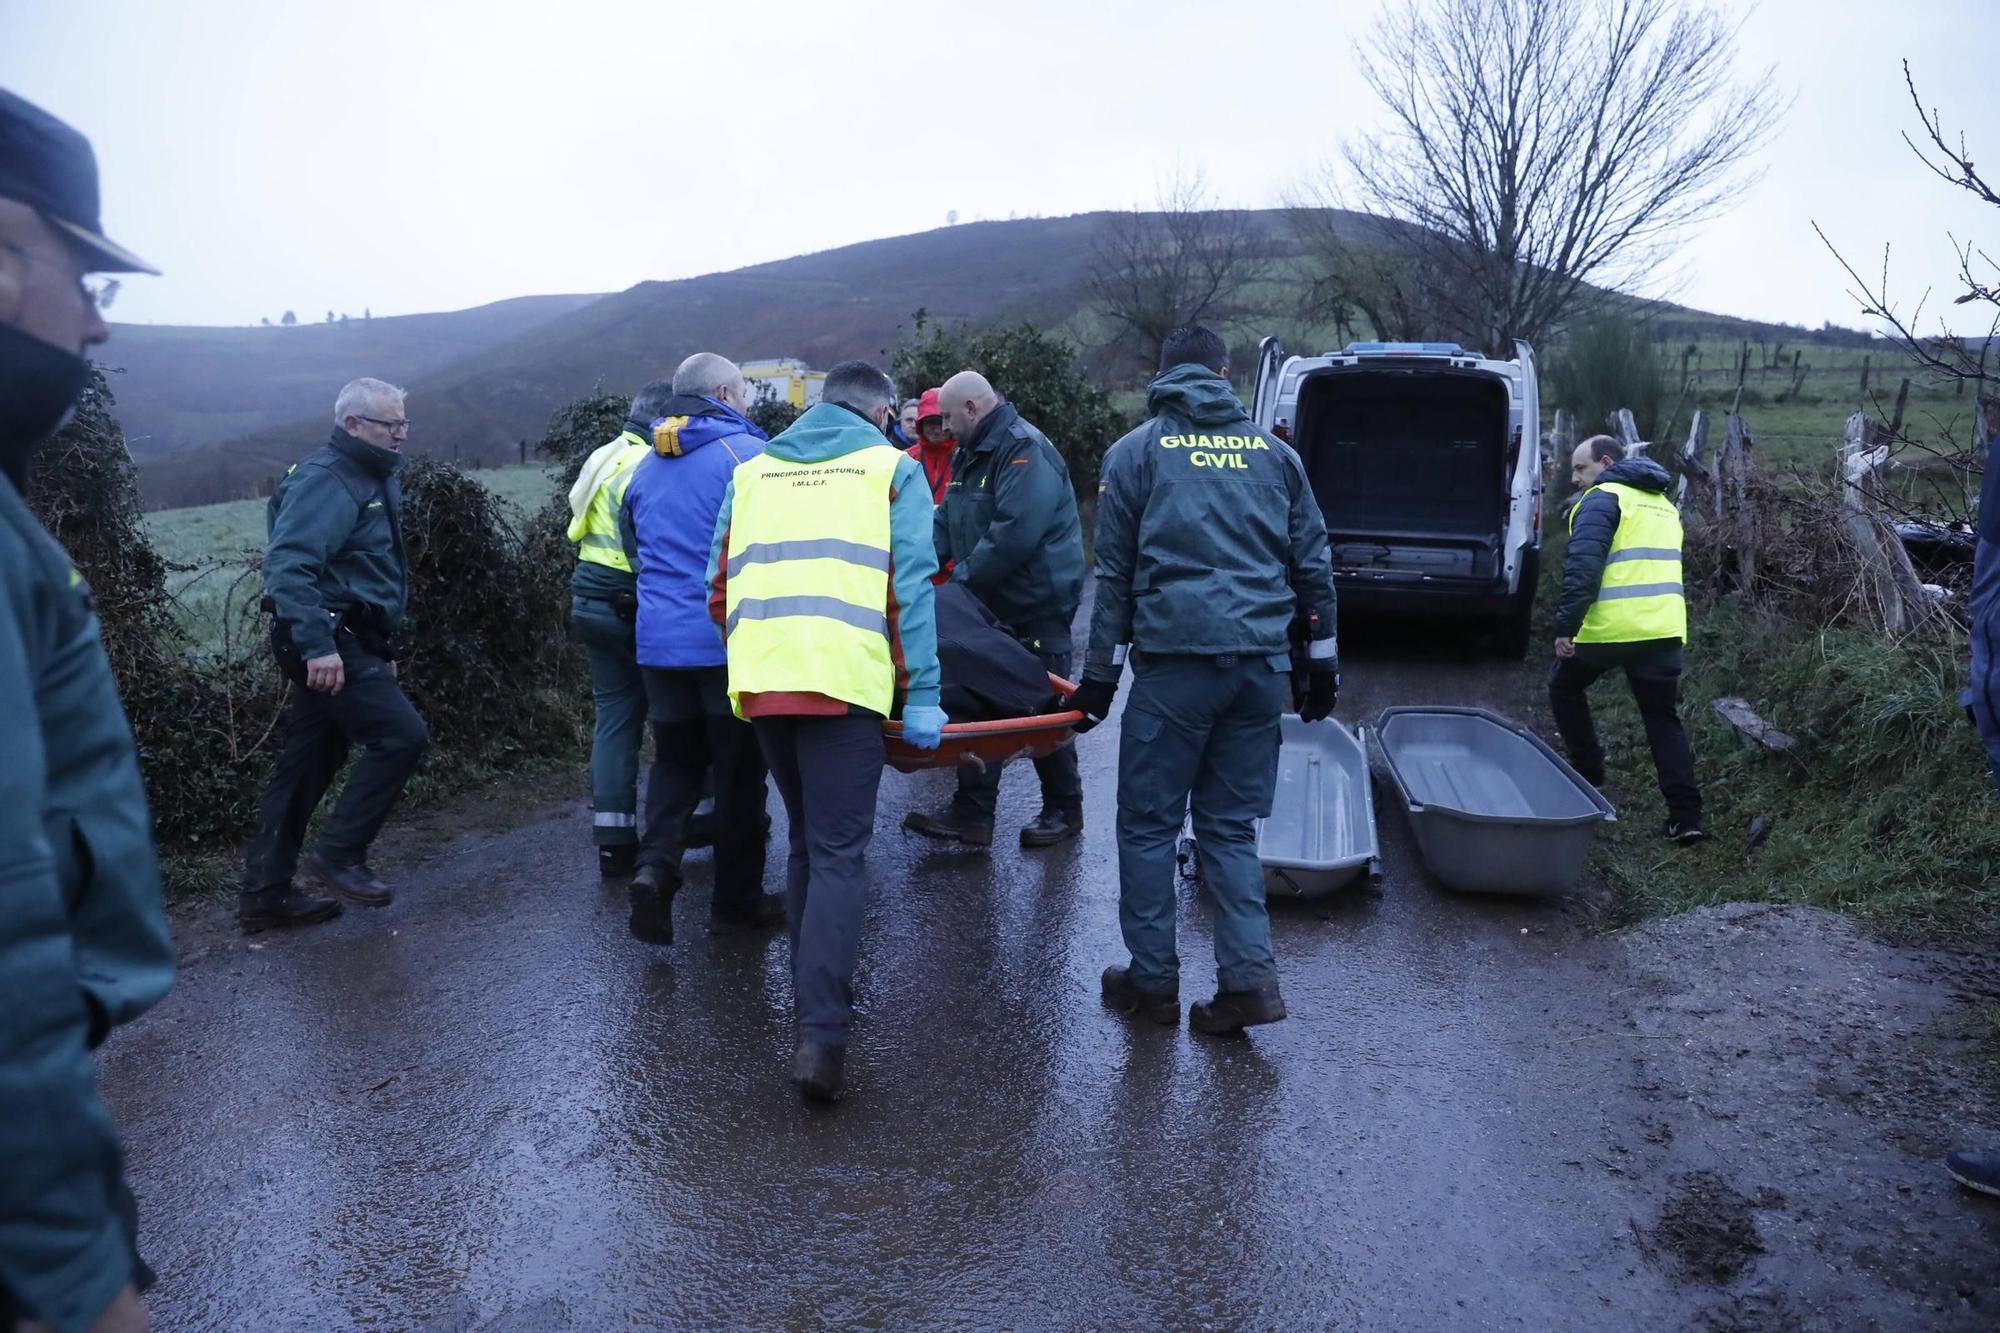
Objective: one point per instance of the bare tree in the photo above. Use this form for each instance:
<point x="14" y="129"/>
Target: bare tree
<point x="1361" y="282"/>
<point x="1187" y="263"/>
<point x="1534" y="146"/>
<point x="1944" y="356"/>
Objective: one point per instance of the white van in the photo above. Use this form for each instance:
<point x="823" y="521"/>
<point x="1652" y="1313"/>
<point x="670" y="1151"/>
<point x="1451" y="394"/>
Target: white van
<point x="1426" y="461"/>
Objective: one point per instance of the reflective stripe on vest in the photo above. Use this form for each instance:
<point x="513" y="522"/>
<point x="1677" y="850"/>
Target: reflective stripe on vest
<point x="596" y="535"/>
<point x="807" y="610"/>
<point x="1640" y="595"/>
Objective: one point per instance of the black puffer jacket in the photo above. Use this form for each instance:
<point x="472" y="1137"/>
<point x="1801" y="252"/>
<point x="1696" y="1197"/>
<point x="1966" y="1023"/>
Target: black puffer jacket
<point x="1593" y="525"/>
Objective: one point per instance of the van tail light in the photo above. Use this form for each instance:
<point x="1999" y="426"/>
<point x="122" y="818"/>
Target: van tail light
<point x="1514" y="449"/>
<point x="1538" y="513"/>
<point x="1283" y="430"/>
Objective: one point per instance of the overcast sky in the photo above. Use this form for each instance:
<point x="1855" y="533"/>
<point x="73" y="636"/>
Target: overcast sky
<point x="436" y="154"/>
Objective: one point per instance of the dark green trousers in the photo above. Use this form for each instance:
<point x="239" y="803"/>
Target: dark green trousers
<point x="1198" y="733"/>
<point x="619" y="692"/>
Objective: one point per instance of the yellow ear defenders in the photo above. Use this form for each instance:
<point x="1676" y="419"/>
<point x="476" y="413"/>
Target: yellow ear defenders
<point x="667" y="436"/>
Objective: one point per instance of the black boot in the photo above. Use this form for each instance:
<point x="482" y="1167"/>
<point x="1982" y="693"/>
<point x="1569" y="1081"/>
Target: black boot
<point x="820" y="1071"/>
<point x="955" y="824"/>
<point x="1233" y="1010"/>
<point x="1134" y="1001"/>
<point x="281" y="905"/>
<point x="1053" y="826"/>
<point x="352" y="880"/>
<point x="762" y="913"/>
<point x="617" y="862"/>
<point x="652" y="899"/>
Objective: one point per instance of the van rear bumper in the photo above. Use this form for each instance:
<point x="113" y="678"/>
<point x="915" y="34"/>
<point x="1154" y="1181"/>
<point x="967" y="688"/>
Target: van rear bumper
<point x="1425" y="595"/>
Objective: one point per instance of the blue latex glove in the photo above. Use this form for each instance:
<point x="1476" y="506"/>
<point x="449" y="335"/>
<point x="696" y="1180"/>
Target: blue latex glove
<point x="923" y="725"/>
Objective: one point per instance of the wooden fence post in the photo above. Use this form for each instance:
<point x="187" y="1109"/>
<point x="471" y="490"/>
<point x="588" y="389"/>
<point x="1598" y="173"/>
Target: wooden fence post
<point x="1626" y="431"/>
<point x="1691" y="452"/>
<point x="1561" y="440"/>
<point x="1885" y="565"/>
<point x="1734" y="492"/>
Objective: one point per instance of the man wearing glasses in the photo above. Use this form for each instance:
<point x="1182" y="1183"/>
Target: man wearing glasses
<point x="336" y="582"/>
<point x="83" y="937"/>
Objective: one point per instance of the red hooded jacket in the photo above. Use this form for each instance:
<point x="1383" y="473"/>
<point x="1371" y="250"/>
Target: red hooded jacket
<point x="935" y="459"/>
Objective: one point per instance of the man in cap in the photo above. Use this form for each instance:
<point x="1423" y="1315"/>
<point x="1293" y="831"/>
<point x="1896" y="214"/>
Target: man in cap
<point x="83" y="936"/>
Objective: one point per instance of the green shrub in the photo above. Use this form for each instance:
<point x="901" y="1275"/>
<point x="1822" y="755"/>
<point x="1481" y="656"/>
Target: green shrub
<point x="1604" y="364"/>
<point x="773" y="415"/>
<point x="578" y="428"/>
<point x="489" y="665"/>
<point x="1035" y="371"/>
<point x="201" y="720"/>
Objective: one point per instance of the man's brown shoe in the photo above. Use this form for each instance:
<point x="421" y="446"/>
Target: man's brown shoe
<point x="952" y="825"/>
<point x="281" y="905"/>
<point x="1051" y="827"/>
<point x="1233" y="1010"/>
<point x="353" y="881"/>
<point x="1134" y="1001"/>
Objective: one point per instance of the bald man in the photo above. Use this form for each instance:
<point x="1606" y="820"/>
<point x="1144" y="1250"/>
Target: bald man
<point x="1008" y="530"/>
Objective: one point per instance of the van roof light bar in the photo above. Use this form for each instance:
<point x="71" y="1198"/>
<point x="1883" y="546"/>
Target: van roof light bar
<point x="1405" y="349"/>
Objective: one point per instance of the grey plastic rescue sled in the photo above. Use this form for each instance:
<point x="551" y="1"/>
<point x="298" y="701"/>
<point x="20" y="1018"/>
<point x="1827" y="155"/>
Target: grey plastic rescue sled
<point x="1320" y="835"/>
<point x="1494" y="809"/>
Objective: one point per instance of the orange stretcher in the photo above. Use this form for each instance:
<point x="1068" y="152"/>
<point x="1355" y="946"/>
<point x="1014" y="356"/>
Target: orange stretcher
<point x="984" y="745"/>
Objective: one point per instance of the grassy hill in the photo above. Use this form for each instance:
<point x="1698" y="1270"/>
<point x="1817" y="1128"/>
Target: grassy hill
<point x="481" y="403"/>
<point x="179" y="387"/>
<point x="853" y="301"/>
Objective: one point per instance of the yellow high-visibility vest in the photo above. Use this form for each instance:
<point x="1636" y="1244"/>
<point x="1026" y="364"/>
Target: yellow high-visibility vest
<point x="595" y="531"/>
<point x="1641" y="595"/>
<point x="807" y="609"/>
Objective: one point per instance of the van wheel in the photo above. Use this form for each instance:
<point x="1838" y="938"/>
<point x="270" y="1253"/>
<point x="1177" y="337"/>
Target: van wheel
<point x="1515" y="632"/>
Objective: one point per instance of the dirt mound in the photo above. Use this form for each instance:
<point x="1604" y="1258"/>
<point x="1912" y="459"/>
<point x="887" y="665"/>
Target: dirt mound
<point x="1710" y="1227"/>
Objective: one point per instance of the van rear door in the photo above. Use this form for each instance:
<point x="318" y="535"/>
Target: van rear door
<point x="1407" y="454"/>
<point x="1264" y="397"/>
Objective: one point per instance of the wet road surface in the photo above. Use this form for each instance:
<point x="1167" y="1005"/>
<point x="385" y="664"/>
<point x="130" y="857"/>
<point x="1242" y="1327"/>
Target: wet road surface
<point x="487" y="1107"/>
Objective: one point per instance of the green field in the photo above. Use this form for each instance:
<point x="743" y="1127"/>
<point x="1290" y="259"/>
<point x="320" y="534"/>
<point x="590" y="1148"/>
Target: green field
<point x="1802" y="428"/>
<point x="212" y="548"/>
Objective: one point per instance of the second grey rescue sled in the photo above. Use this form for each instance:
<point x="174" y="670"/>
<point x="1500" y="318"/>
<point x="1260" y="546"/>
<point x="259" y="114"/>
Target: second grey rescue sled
<point x="1320" y="835"/>
<point x="1494" y="809"/>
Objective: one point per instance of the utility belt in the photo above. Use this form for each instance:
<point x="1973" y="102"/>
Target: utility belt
<point x="363" y="625"/>
<point x="624" y="604"/>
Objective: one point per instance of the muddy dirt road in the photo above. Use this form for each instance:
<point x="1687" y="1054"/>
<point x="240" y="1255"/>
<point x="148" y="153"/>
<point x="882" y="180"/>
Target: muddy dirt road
<point x="487" y="1108"/>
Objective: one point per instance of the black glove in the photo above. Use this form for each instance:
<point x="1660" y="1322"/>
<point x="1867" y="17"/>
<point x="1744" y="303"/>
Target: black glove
<point x="1093" y="699"/>
<point x="1322" y="692"/>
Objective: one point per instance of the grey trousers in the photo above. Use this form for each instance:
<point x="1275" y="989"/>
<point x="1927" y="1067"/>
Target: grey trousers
<point x="828" y="770"/>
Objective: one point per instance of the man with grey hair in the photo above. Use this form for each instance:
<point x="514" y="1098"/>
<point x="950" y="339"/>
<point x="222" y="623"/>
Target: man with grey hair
<point x="336" y="582"/>
<point x="699" y="436"/>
